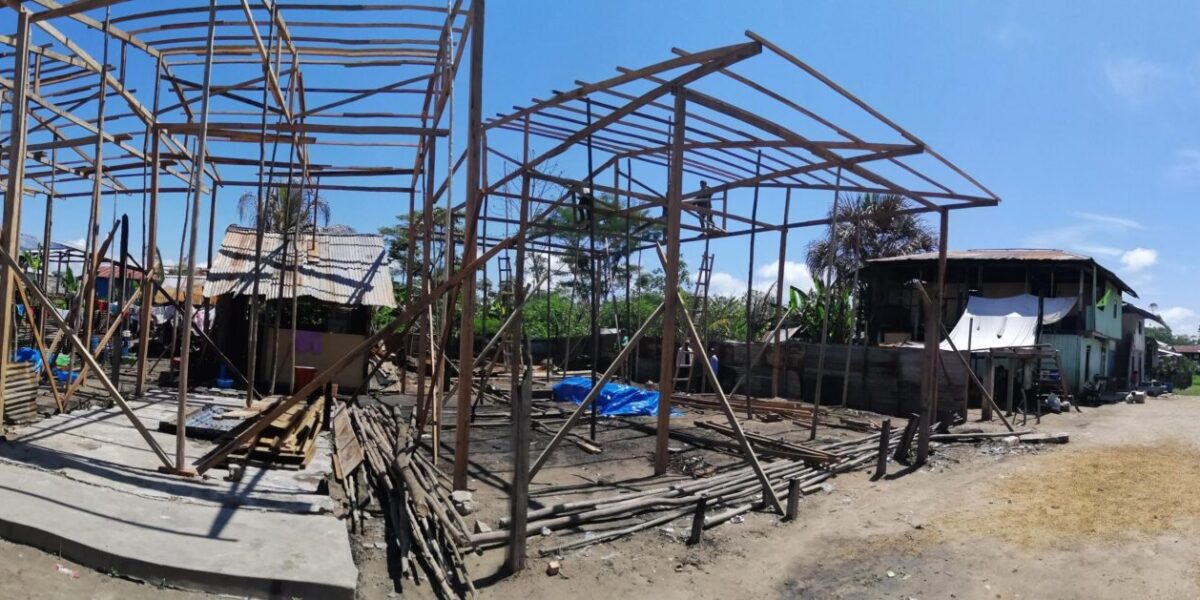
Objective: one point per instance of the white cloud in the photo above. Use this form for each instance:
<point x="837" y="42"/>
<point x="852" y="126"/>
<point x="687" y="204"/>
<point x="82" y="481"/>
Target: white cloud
<point x="1118" y="221"/>
<point x="1081" y="233"/>
<point x="1181" y="320"/>
<point x="1185" y="167"/>
<point x="794" y="274"/>
<point x="1139" y="259"/>
<point x="724" y="284"/>
<point x="1136" y="81"/>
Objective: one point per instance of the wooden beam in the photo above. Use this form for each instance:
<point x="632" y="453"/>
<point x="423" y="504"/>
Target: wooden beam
<point x="73" y="8"/>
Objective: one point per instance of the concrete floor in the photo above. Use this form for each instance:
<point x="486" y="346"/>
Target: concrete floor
<point x="85" y="485"/>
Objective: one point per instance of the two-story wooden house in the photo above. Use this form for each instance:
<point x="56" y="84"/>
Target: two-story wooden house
<point x="1086" y="335"/>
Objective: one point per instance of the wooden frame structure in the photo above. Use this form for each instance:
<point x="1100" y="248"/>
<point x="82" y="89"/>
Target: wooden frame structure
<point x="255" y="75"/>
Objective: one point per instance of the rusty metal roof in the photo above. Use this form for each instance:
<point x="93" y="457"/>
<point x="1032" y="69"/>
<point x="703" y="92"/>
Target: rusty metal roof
<point x="1007" y="254"/>
<point x="996" y="254"/>
<point x="342" y="268"/>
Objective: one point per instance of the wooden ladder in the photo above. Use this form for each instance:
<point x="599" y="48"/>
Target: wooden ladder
<point x="697" y="309"/>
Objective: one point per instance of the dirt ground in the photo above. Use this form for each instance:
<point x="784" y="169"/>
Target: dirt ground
<point x="1113" y="514"/>
<point x="1110" y="515"/>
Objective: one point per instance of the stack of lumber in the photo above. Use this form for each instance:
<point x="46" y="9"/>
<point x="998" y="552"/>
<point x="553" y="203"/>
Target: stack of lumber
<point x="426" y="531"/>
<point x="783" y="408"/>
<point x="766" y="446"/>
<point x="726" y="495"/>
<point x="20" y="393"/>
<point x="289" y="442"/>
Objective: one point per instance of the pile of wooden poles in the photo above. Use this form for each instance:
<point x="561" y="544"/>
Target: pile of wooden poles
<point x="729" y="494"/>
<point x="428" y="533"/>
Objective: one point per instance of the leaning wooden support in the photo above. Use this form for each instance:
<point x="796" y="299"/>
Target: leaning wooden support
<point x="79" y="346"/>
<point x="987" y="395"/>
<point x="769" y="496"/>
<point x="112" y="329"/>
<point x="594" y="393"/>
<point x="41" y="345"/>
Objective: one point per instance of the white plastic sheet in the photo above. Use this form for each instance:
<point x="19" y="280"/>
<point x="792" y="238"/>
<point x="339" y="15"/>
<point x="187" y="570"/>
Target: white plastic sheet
<point x="1005" y="322"/>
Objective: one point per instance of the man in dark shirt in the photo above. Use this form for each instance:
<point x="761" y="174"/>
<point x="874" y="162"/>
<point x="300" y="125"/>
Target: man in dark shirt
<point x="704" y="201"/>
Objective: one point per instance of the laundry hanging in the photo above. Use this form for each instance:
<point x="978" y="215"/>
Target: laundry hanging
<point x="1005" y="322"/>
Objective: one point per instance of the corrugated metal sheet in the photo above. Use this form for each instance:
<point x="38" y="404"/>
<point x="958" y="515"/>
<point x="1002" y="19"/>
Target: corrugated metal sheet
<point x="343" y="268"/>
<point x="1006" y="254"/>
<point x="996" y="254"/>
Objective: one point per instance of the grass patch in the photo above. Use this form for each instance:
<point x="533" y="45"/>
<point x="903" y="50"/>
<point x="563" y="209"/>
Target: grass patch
<point x="1193" y="390"/>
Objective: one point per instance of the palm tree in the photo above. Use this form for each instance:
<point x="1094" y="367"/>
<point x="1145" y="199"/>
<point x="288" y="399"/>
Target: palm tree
<point x="289" y="207"/>
<point x="882" y="229"/>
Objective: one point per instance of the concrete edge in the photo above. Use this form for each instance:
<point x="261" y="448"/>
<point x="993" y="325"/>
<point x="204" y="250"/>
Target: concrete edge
<point x="151" y="573"/>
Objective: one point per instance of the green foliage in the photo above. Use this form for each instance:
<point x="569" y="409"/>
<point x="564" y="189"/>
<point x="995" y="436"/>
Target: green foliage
<point x="1167" y="336"/>
<point x="396" y="239"/>
<point x="1179" y="370"/>
<point x="286" y="208"/>
<point x="809" y="314"/>
<point x="70" y="284"/>
<point x="869" y="226"/>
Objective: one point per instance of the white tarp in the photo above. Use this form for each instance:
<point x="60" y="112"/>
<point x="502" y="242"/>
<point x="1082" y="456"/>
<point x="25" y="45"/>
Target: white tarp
<point x="1005" y="322"/>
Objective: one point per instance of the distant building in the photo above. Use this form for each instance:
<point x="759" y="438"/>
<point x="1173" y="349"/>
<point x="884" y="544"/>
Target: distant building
<point x="1191" y="351"/>
<point x="1086" y="332"/>
<point x="1132" y="355"/>
<point x="340" y="279"/>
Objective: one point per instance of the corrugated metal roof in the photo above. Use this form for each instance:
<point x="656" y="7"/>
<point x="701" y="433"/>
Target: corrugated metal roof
<point x="343" y="268"/>
<point x="993" y="254"/>
<point x="1006" y="254"/>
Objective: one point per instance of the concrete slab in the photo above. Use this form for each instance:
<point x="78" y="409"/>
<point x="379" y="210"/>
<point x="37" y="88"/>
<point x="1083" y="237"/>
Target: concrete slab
<point x="197" y="546"/>
<point x="100" y="447"/>
<point x="85" y="485"/>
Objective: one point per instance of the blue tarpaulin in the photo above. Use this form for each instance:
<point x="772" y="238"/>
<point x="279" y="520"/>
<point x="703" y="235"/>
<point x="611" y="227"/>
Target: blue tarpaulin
<point x="614" y="399"/>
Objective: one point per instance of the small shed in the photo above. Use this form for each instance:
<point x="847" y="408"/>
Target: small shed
<point x="339" y="279"/>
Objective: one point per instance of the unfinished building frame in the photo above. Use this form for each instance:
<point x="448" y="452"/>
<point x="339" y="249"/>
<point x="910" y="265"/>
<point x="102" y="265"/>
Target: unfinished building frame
<point x="237" y="100"/>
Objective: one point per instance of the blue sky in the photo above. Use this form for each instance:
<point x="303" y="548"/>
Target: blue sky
<point x="1082" y="121"/>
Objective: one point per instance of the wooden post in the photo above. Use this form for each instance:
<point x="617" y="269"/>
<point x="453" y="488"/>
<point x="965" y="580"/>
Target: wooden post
<point x="989" y="365"/>
<point x="151" y="244"/>
<point x="830" y="269"/>
<point x="933" y="321"/>
<point x="674" y="209"/>
<point x="777" y="358"/>
<point x="885" y="438"/>
<point x="970" y="364"/>
<point x="749" y="295"/>
<point x="698" y="521"/>
<point x="518" y="503"/>
<point x="194" y="234"/>
<point x="1012" y="375"/>
<point x="793" y="501"/>
<point x="466" y="334"/>
<point x="10" y="229"/>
